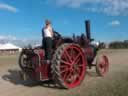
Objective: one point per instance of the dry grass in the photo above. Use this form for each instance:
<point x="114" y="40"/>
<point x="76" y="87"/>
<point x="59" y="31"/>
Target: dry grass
<point x="115" y="83"/>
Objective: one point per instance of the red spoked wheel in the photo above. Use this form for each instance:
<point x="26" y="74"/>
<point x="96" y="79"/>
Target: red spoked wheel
<point x="102" y="65"/>
<point x="69" y="65"/>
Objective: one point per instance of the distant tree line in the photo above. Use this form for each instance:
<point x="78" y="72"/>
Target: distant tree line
<point x="119" y="44"/>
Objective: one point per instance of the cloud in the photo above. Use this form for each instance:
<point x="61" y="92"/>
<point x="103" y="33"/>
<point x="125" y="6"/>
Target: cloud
<point x="9" y="37"/>
<point x="8" y="8"/>
<point x="109" y="7"/>
<point x="115" y="23"/>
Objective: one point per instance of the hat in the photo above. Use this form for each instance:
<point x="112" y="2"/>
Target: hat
<point x="47" y="22"/>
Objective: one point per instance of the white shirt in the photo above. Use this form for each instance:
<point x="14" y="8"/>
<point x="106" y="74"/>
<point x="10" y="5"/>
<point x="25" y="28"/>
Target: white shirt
<point x="48" y="32"/>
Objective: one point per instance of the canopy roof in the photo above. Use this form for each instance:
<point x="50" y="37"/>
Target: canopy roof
<point x="8" y="46"/>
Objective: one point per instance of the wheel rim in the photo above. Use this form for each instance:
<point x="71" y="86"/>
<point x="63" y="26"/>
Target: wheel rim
<point x="23" y="60"/>
<point x="103" y="65"/>
<point x="26" y="61"/>
<point x="72" y="66"/>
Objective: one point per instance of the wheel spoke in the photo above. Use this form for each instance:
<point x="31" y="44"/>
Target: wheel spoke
<point x="103" y="62"/>
<point x="65" y="57"/>
<point x="72" y="53"/>
<point x="102" y="68"/>
<point x="65" y="70"/>
<point x="65" y="62"/>
<point x="68" y="56"/>
<point x="77" y="61"/>
<point x="68" y="78"/>
<point x="74" y="75"/>
<point x="63" y="66"/>
<point x="76" y="58"/>
<point x="78" y="70"/>
<point x="65" y="75"/>
<point x="80" y="65"/>
<point x="101" y="65"/>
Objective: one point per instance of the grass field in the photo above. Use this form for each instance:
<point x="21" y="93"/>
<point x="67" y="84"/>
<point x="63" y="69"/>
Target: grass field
<point x="115" y="83"/>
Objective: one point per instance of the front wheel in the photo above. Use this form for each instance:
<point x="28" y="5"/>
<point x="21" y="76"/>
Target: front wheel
<point x="102" y="65"/>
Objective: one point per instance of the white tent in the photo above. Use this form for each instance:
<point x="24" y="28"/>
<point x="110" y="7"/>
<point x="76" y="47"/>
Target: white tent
<point x="0" y="45"/>
<point x="9" y="46"/>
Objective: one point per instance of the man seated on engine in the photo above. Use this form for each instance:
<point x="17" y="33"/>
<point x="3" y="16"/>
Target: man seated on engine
<point x="47" y="33"/>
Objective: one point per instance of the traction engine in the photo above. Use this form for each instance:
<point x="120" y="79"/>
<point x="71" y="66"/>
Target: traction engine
<point x="70" y="59"/>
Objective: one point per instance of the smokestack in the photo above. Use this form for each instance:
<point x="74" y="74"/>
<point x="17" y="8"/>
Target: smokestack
<point x="87" y="26"/>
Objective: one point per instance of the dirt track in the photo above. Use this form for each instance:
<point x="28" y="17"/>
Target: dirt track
<point x="113" y="84"/>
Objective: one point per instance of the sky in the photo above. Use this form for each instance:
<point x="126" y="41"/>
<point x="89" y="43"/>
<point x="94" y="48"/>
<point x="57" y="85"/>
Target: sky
<point x="24" y="19"/>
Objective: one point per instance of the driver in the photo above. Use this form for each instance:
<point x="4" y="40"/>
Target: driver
<point x="47" y="33"/>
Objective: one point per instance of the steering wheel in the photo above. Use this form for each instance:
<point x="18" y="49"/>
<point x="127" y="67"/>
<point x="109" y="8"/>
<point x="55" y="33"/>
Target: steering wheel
<point x="56" y="35"/>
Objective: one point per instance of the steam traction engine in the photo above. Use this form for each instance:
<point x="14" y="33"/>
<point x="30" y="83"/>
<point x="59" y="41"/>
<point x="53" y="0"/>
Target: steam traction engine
<point x="70" y="59"/>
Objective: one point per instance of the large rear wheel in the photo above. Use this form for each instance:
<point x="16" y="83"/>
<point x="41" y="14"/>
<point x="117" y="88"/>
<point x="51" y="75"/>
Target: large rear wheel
<point x="68" y="65"/>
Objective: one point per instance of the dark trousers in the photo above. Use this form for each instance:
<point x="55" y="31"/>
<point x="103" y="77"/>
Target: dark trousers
<point x="47" y="44"/>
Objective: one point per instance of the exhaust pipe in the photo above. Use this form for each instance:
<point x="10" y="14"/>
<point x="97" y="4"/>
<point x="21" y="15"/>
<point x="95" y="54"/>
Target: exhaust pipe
<point x="87" y="28"/>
